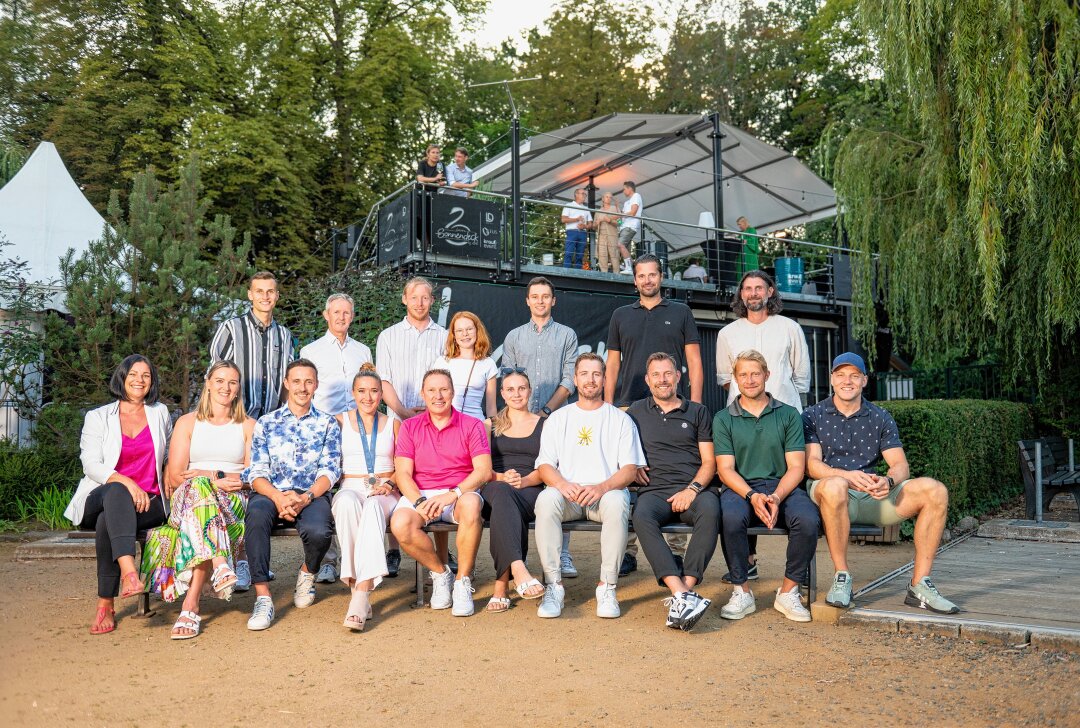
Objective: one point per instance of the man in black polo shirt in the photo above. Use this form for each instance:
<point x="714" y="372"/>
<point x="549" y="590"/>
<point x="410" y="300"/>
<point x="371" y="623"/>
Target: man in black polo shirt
<point x="846" y="440"/>
<point x="636" y="331"/>
<point x="674" y="487"/>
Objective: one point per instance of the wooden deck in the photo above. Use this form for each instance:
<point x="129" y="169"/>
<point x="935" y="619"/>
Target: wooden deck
<point x="1006" y="582"/>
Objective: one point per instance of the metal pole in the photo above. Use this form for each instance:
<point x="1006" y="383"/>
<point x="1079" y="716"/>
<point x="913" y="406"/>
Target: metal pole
<point x="1038" y="481"/>
<point x="1072" y="460"/>
<point x="718" y="170"/>
<point x="515" y="192"/>
<point x="590" y="236"/>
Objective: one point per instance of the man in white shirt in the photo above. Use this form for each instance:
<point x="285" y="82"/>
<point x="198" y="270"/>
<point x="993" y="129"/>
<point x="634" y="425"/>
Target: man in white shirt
<point x="337" y="357"/>
<point x="633" y="208"/>
<point x="589" y="453"/>
<point x="459" y="181"/>
<point x="781" y="340"/>
<point x="577" y="219"/>
<point x="694" y="272"/>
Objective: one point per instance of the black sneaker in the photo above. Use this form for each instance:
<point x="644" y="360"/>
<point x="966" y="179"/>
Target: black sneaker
<point x="629" y="563"/>
<point x="393" y="562"/>
<point x="679" y="564"/>
<point x="751" y="573"/>
<point x="451" y="562"/>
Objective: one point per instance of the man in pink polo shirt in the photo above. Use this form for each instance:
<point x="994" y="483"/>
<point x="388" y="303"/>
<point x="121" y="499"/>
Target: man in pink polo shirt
<point x="441" y="459"/>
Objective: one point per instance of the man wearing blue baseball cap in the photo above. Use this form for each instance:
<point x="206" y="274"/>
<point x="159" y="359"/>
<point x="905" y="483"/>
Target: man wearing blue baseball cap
<point x="846" y="440"/>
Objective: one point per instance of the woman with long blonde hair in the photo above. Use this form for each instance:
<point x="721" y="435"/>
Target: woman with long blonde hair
<point x="194" y="552"/>
<point x="472" y="370"/>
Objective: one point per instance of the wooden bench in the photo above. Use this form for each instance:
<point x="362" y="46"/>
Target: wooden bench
<point x="1047" y="468"/>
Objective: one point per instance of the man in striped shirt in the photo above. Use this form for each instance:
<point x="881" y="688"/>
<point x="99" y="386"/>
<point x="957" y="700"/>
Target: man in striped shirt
<point x="405" y="351"/>
<point x="258" y="345"/>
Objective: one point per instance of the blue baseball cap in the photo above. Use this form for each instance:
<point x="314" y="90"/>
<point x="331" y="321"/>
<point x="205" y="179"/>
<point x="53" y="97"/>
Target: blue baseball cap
<point x="849" y="358"/>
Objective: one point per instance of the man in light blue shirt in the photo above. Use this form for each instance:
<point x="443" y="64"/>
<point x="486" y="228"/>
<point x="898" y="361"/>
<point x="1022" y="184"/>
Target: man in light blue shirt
<point x="458" y="176"/>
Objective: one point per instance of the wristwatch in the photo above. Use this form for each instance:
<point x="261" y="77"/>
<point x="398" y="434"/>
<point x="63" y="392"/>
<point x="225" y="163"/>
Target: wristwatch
<point x="418" y="501"/>
<point x="695" y="486"/>
<point x="220" y="475"/>
<point x="748" y="496"/>
<point x="892" y="483"/>
<point x="546" y="410"/>
<point x="310" y="496"/>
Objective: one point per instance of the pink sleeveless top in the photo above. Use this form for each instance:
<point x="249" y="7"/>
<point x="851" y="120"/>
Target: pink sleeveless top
<point x="138" y="461"/>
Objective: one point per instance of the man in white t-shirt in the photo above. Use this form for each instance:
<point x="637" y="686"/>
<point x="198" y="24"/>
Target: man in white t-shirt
<point x="633" y="208"/>
<point x="589" y="453"/>
<point x="577" y="219"/>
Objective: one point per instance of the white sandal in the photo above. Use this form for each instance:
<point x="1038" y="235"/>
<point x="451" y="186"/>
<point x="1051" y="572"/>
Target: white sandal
<point x="186" y="620"/>
<point x="521" y="588"/>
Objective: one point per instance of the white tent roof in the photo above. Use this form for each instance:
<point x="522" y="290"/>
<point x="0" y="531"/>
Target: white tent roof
<point x="43" y="213"/>
<point x="669" y="156"/>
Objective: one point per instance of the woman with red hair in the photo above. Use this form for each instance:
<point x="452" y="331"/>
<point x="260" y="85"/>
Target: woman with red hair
<point x="473" y="371"/>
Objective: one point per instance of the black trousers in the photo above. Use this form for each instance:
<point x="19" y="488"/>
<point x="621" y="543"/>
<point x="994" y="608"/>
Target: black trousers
<point x="110" y="511"/>
<point x="797" y="513"/>
<point x="315" y="524"/>
<point x="509" y="511"/>
<point x="652" y="512"/>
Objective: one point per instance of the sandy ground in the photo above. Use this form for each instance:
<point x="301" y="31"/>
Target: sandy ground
<point x="503" y="668"/>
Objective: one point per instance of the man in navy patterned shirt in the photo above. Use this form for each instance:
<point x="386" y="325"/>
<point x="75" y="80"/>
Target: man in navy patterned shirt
<point x="846" y="439"/>
<point x="295" y="459"/>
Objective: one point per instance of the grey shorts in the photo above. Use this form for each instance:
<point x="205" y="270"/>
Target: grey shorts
<point x="866" y="509"/>
<point x="627" y="235"/>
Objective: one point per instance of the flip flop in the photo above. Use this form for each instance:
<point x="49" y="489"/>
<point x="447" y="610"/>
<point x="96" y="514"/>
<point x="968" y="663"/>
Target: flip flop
<point x="498" y="604"/>
<point x="186" y="620"/>
<point x="523" y="587"/>
<point x="103" y="612"/>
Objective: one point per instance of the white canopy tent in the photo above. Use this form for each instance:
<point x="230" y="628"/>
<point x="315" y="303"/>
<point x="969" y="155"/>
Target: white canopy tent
<point x="43" y="213"/>
<point x="670" y="157"/>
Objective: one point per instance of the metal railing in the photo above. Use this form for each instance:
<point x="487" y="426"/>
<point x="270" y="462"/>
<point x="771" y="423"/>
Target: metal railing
<point x="14" y="427"/>
<point x="973" y="381"/>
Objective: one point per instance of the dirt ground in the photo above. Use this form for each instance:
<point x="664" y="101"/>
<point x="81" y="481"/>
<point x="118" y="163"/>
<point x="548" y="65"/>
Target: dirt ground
<point x="503" y="668"/>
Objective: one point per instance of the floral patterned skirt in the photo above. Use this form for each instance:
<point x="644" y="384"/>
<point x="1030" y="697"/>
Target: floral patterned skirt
<point x="204" y="523"/>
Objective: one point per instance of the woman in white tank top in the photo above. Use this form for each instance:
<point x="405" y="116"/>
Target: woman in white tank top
<point x="209" y="449"/>
<point x="367" y="496"/>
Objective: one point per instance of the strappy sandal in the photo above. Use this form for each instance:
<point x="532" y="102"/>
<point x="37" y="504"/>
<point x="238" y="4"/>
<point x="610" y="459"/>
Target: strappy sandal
<point x="186" y="620"/>
<point x="102" y="613"/>
<point x="354" y="620"/>
<point x="525" y="586"/>
<point x="132" y="587"/>
<point x="498" y="604"/>
<point x="222" y="581"/>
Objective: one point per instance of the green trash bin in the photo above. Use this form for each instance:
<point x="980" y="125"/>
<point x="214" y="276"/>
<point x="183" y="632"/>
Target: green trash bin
<point x="789" y="275"/>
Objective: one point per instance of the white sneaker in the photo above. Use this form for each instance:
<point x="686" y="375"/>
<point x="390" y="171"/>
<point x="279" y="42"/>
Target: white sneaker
<point x="243" y="577"/>
<point x="607" y="606"/>
<point x="262" y="615"/>
<point x="440" y="589"/>
<point x="328" y="573"/>
<point x="304" y="594"/>
<point x="566" y="565"/>
<point x="790" y="605"/>
<point x="552" y="602"/>
<point x="741" y="604"/>
<point x="463" y="601"/>
<point x="627" y="268"/>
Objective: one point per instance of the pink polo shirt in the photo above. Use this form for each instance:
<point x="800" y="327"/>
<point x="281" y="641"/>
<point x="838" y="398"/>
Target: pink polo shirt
<point x="441" y="458"/>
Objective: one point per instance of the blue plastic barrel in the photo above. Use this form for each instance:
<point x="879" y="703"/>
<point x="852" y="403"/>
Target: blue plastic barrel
<point x="789" y="275"/>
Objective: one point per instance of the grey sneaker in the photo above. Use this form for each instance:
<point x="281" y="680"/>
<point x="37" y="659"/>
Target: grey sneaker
<point x="925" y="595"/>
<point x="393" y="563"/>
<point x="566" y="565"/>
<point x="243" y="577"/>
<point x="462" y="598"/>
<point x="741" y="604"/>
<point x="840" y="593"/>
<point x="440" y="589"/>
<point x="551" y="604"/>
<point x="790" y="605"/>
<point x="262" y="615"/>
<point x="328" y="573"/>
<point x="304" y="594"/>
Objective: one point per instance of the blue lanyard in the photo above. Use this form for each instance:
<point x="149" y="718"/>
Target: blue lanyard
<point x="369" y="448"/>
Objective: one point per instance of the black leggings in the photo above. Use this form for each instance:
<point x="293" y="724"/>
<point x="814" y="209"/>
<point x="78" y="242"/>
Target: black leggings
<point x="509" y="511"/>
<point x="110" y="511"/>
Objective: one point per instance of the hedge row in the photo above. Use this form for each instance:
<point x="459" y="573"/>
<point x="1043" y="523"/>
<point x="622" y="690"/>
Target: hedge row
<point x="969" y="445"/>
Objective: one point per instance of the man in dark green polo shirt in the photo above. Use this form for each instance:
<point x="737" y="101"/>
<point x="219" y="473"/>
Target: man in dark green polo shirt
<point x="761" y="460"/>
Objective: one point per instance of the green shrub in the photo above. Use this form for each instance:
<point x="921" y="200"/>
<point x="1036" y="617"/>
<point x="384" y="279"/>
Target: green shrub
<point x="52" y="462"/>
<point x="969" y="445"/>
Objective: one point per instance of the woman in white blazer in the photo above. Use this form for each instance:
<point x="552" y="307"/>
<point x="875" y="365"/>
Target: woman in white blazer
<point x="123" y="449"/>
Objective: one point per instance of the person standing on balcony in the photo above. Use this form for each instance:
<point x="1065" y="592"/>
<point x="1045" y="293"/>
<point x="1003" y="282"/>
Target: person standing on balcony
<point x="751" y="246"/>
<point x="633" y="208"/>
<point x="430" y="175"/>
<point x="607" y="234"/>
<point x="577" y="220"/>
<point x="459" y="181"/>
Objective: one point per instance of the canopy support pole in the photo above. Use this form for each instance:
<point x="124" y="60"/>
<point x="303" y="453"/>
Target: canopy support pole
<point x="718" y="170"/>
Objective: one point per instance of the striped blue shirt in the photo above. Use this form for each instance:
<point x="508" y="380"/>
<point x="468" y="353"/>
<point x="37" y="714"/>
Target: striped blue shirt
<point x="261" y="353"/>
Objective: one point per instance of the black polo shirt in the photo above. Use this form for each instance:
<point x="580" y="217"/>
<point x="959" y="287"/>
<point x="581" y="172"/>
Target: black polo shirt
<point x="423" y="169"/>
<point x="851" y="443"/>
<point x="670" y="441"/>
<point x="637" y="332"/>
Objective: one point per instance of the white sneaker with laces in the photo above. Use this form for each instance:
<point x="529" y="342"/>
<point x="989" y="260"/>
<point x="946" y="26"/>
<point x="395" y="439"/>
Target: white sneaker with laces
<point x="741" y="604"/>
<point x="243" y="577"/>
<point x="675" y="604"/>
<point x="328" y="573"/>
<point x="566" y="565"/>
<point x="551" y="604"/>
<point x="304" y="594"/>
<point x="607" y="606"/>
<point x="790" y="605"/>
<point x="262" y="615"/>
<point x="440" y="589"/>
<point x="463" y="601"/>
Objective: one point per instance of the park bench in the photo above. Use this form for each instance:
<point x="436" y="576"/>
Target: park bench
<point x="1048" y="467"/>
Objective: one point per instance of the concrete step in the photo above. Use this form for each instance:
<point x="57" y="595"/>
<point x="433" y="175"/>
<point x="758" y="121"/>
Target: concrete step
<point x="1022" y="530"/>
<point x="56" y="547"/>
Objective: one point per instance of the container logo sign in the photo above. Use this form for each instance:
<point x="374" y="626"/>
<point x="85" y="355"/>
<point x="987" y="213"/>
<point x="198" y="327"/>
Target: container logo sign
<point x="455" y="232"/>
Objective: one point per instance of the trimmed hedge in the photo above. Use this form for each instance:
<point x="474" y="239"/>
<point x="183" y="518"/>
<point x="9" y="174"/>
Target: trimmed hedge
<point x="967" y="444"/>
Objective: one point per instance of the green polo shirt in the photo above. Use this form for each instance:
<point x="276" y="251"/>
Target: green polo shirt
<point x="758" y="443"/>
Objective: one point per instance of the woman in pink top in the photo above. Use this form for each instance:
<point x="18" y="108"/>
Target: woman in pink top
<point x="123" y="448"/>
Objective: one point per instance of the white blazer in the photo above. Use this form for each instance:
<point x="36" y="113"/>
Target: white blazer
<point x="99" y="450"/>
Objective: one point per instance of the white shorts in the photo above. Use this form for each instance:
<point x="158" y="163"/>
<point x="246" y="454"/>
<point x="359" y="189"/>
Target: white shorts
<point x="447" y="515"/>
